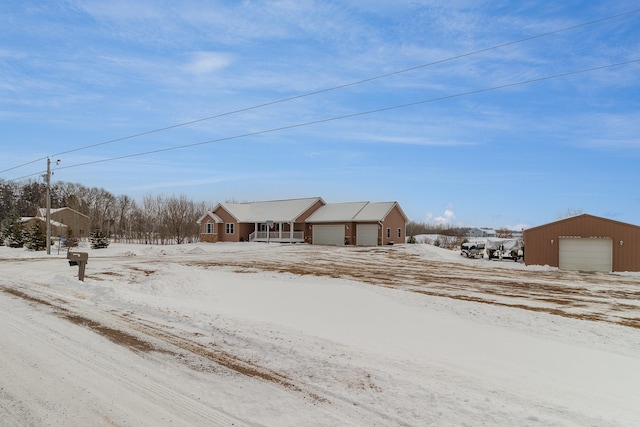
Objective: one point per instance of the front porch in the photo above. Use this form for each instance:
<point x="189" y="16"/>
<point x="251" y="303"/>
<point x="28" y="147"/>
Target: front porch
<point x="277" y="232"/>
<point x="280" y="236"/>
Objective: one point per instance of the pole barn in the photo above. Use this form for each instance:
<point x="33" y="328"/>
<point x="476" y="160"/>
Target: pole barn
<point x="584" y="243"/>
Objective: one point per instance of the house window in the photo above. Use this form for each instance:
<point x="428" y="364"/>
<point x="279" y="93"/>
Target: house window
<point x="230" y="227"/>
<point x="399" y="232"/>
<point x="209" y="228"/>
<point x="388" y="233"/>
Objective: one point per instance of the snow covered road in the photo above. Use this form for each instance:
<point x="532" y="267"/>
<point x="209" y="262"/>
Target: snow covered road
<point x="233" y="335"/>
<point x="57" y="374"/>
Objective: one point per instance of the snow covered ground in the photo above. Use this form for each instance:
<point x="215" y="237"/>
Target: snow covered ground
<point x="291" y="335"/>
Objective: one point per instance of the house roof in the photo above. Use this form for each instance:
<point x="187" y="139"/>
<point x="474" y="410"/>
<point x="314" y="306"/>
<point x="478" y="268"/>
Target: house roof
<point x="274" y="210"/>
<point x="37" y="218"/>
<point x="353" y="212"/>
<point x="577" y="217"/>
<point x="42" y="212"/>
<point x="211" y="215"/>
<point x="337" y="212"/>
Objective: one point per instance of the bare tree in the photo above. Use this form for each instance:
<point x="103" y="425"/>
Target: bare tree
<point x="123" y="223"/>
<point x="180" y="217"/>
<point x="157" y="220"/>
<point x="101" y="204"/>
<point x="569" y="213"/>
<point x="149" y="221"/>
<point x="72" y="195"/>
<point x="504" y="233"/>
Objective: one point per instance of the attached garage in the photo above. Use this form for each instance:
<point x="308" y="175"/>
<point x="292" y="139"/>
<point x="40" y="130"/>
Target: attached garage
<point x="328" y="234"/>
<point x="367" y="234"/>
<point x="584" y="243"/>
<point x="357" y="223"/>
<point x="589" y="254"/>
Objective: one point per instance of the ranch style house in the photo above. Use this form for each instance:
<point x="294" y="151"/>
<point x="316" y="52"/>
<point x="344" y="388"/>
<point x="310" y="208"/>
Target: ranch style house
<point x="308" y="220"/>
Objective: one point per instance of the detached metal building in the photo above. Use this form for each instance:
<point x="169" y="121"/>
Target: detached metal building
<point x="584" y="243"/>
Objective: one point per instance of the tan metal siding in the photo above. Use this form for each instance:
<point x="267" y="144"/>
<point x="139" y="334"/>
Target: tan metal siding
<point x="541" y="243"/>
<point x="77" y="222"/>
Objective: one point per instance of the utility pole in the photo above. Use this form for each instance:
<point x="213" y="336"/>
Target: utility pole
<point x="48" y="215"/>
<point x="48" y="206"/>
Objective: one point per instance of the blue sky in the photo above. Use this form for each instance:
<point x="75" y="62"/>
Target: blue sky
<point x="78" y="73"/>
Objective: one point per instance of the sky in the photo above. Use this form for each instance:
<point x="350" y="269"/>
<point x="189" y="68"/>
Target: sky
<point x="466" y="112"/>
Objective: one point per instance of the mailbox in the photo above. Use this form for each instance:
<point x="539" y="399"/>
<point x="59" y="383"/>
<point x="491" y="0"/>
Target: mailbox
<point x="80" y="259"/>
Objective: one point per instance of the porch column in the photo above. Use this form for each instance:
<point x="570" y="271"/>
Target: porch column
<point x="291" y="232"/>
<point x="255" y="231"/>
<point x="280" y="231"/>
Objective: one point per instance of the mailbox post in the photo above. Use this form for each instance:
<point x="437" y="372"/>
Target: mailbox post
<point x="80" y="259"/>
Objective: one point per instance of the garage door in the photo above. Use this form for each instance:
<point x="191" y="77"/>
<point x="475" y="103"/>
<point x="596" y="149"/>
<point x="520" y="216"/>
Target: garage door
<point x="367" y="234"/>
<point x="586" y="254"/>
<point x="328" y="234"/>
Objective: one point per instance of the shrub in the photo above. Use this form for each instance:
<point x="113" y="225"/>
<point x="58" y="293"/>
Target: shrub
<point x="71" y="241"/>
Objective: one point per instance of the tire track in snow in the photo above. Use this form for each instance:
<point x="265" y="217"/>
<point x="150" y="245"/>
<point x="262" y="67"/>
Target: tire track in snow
<point x="157" y="338"/>
<point x="319" y="394"/>
<point x="150" y="389"/>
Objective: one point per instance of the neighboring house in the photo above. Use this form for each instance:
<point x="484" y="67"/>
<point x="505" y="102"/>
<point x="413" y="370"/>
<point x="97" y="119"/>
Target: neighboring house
<point x="358" y="223"/>
<point x="584" y="243"/>
<point x="482" y="232"/>
<point x="57" y="228"/>
<point x="64" y="219"/>
<point x="308" y="220"/>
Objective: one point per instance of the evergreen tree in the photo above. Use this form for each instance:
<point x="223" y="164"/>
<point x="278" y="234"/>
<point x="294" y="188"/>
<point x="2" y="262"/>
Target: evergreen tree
<point x="98" y="240"/>
<point x="14" y="233"/>
<point x="36" y="238"/>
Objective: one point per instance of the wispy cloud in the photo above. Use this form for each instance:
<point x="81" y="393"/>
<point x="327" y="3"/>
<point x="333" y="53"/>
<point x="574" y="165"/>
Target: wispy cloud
<point x="207" y="62"/>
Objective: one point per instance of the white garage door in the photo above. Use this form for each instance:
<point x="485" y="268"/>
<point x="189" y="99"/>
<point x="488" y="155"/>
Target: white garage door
<point x="586" y="254"/>
<point x="328" y="234"/>
<point x="367" y="234"/>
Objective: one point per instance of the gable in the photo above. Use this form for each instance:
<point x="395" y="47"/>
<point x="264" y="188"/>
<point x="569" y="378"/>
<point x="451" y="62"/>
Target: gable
<point x="211" y="216"/>
<point x="42" y="212"/>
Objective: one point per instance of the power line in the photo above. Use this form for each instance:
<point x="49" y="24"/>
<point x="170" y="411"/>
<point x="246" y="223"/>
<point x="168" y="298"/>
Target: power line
<point x="334" y="88"/>
<point x="348" y="116"/>
<point x="24" y="164"/>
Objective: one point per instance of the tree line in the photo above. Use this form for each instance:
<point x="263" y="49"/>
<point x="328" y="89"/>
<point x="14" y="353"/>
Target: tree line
<point x="155" y="220"/>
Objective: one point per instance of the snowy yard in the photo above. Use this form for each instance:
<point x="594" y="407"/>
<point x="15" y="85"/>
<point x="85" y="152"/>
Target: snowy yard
<point x="292" y="335"/>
